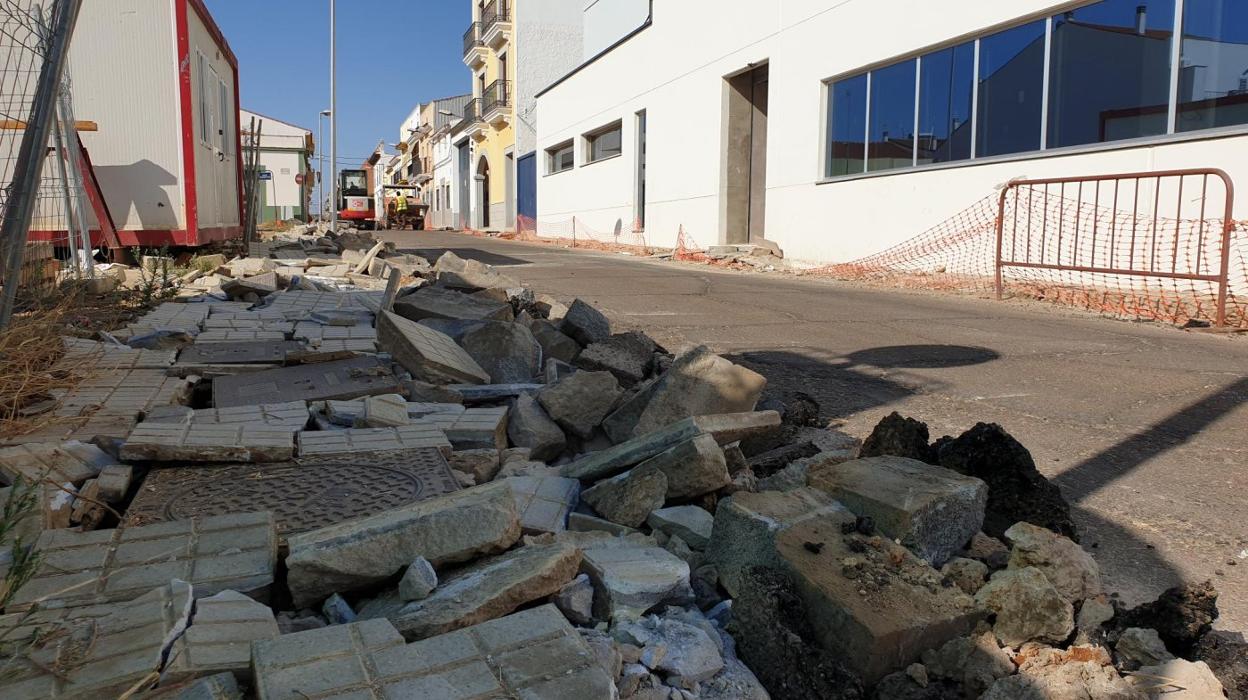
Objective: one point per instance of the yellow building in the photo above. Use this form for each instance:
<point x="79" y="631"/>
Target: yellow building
<point x="489" y="119"/>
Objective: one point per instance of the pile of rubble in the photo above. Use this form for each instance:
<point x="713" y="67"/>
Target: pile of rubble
<point x="372" y="475"/>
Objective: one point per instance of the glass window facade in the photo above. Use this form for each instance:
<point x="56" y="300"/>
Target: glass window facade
<point x="946" y="96"/>
<point x="561" y="157"/>
<point x="605" y="144"/>
<point x="1213" y="77"/>
<point x="892" y="117"/>
<point x="847" y="126"/>
<point x="1011" y="89"/>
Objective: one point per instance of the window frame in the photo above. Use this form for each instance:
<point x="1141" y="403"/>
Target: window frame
<point x="552" y="153"/>
<point x="1171" y="135"/>
<point x="591" y="137"/>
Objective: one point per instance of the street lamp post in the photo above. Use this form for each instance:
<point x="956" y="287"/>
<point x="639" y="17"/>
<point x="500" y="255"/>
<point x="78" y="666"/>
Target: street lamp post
<point x="333" y="109"/>
<point x="320" y="123"/>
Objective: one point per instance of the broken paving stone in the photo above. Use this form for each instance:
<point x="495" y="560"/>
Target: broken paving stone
<point x="426" y="353"/>
<point x="1178" y="679"/>
<point x="693" y="467"/>
<point x="1027" y="606"/>
<point x="555" y="344"/>
<point x="627" y="499"/>
<point x="423" y="392"/>
<point x="383" y="411"/>
<point x="221" y="686"/>
<point x="627" y="356"/>
<point x="685" y="654"/>
<point x="1138" y="646"/>
<point x="629" y="581"/>
<point x="340" y="379"/>
<point x="544" y="502"/>
<point x="1070" y="569"/>
<point x="746" y="525"/>
<point x="419" y="580"/>
<point x="506" y="351"/>
<point x="69" y="462"/>
<point x="337" y="611"/>
<point x="583" y="522"/>
<point x="530" y="654"/>
<point x="457" y="273"/>
<point x="92" y="652"/>
<point x="229" y="552"/>
<point x="487" y="589"/>
<point x="967" y="574"/>
<point x="475" y="428"/>
<point x="585" y="324"/>
<point x="336" y="442"/>
<point x="691" y="523"/>
<point x="292" y="415"/>
<point x="904" y="610"/>
<point x="434" y="302"/>
<point x="579" y="402"/>
<point x="88" y="508"/>
<point x="620" y="423"/>
<point x="483" y="465"/>
<point x="205" y="442"/>
<point x="933" y="511"/>
<point x="220" y="636"/>
<point x="700" y="383"/>
<point x="576" y="600"/>
<point x="358" y="553"/>
<point x="529" y="426"/>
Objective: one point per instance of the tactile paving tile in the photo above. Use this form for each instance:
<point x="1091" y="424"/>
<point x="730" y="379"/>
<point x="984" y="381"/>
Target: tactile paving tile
<point x="81" y="353"/>
<point x="257" y="352"/>
<point x="303" y="495"/>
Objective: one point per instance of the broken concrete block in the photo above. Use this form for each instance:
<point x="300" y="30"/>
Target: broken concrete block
<point x="73" y="462"/>
<point x="477" y="428"/>
<point x="627" y="356"/>
<point x="746" y="525"/>
<point x="544" y="502"/>
<point x="383" y="411"/>
<point x="576" y="600"/>
<point x="357" y="553"/>
<point x="904" y="610"/>
<point x="485" y="590"/>
<point x="700" y="383"/>
<point x="418" y="581"/>
<point x="506" y="351"/>
<point x="581" y="522"/>
<point x="530" y="426"/>
<point x="976" y="662"/>
<point x="340" y="379"/>
<point x="691" y="523"/>
<point x="434" y="302"/>
<point x="967" y="574"/>
<point x="628" y="498"/>
<point x="1027" y="606"/>
<point x="337" y="611"/>
<point x="1179" y="679"/>
<point x="96" y="651"/>
<point x="531" y="654"/>
<point x="684" y="653"/>
<point x="206" y="442"/>
<point x="457" y="273"/>
<point x="629" y="581"/>
<point x="214" y="554"/>
<point x="1066" y="565"/>
<point x="221" y="686"/>
<point x="579" y="402"/>
<point x="585" y="324"/>
<point x="1078" y="672"/>
<point x="426" y="353"/>
<point x="1139" y="646"/>
<point x="555" y="344"/>
<point x="88" y="508"/>
<point x="483" y="465"/>
<point x="932" y="510"/>
<point x="220" y="636"/>
<point x="693" y="467"/>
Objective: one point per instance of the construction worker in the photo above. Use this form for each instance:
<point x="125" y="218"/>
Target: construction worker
<point x="400" y="204"/>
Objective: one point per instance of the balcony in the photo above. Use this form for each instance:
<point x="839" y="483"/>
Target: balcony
<point x="474" y="48"/>
<point x="496" y="24"/>
<point x="473" y="124"/>
<point x="496" y="103"/>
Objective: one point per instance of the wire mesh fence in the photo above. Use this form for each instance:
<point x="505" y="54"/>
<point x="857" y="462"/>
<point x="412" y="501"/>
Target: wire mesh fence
<point x="41" y="167"/>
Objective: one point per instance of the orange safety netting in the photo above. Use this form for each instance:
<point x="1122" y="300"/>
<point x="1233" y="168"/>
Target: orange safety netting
<point x="574" y="233"/>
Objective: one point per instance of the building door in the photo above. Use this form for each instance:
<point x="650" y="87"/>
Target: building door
<point x="483" y="193"/>
<point x="744" y="197"/>
<point x="509" y="184"/>
<point x="465" y="186"/>
<point x="526" y="186"/>
<point x="639" y="206"/>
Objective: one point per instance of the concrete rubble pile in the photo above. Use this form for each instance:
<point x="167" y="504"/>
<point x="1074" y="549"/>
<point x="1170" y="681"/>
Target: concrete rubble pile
<point x="330" y="472"/>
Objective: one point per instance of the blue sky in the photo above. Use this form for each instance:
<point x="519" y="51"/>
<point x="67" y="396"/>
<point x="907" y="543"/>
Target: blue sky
<point x="392" y="54"/>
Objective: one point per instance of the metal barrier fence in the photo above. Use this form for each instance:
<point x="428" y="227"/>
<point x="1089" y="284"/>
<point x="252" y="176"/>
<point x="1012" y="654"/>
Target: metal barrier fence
<point x="36" y="118"/>
<point x="1157" y="226"/>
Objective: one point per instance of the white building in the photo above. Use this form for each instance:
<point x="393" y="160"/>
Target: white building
<point x="752" y="119"/>
<point x="286" y="153"/>
<point x="442" y="189"/>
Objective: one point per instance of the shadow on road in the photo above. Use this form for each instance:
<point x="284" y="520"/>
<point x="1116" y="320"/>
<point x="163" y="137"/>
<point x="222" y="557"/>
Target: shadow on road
<point x="432" y="254"/>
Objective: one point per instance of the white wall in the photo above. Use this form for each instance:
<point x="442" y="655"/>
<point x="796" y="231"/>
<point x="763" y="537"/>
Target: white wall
<point x="282" y="151"/>
<point x="608" y="21"/>
<point x="675" y="70"/>
<point x="216" y="170"/>
<point x="547" y="43"/>
<point x="445" y="174"/>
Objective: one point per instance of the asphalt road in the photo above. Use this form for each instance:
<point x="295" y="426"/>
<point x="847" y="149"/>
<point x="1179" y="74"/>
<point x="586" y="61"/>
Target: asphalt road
<point x="1145" y="428"/>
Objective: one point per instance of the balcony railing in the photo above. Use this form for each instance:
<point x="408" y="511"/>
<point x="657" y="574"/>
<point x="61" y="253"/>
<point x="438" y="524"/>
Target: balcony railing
<point x="497" y="95"/>
<point x="472" y="38"/>
<point x="495" y="12"/>
<point x="472" y="111"/>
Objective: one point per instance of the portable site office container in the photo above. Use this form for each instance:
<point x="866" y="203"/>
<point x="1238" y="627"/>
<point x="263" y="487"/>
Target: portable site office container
<point x="161" y="81"/>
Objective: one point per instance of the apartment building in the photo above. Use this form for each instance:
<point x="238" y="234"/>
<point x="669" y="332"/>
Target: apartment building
<point x="838" y="129"/>
<point x="514" y="48"/>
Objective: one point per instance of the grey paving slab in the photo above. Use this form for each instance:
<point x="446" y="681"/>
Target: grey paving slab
<point x="94" y="651"/>
<point x="213" y="323"/>
<point x="121" y="393"/>
<point x="244" y="336"/>
<point x="186" y="317"/>
<point x="220" y="637"/>
<point x="290" y="414"/>
<point x="528" y="655"/>
<point x="476" y="428"/>
<point x="407" y="437"/>
<point x="89" y="354"/>
<point x="80" y="428"/>
<point x="262" y="351"/>
<point x="209" y="442"/>
<point x="214" y="554"/>
<point x="427" y="353"/>
<point x="544" y="501"/>
<point x="73" y="462"/>
<point x="342" y="379"/>
<point x="220" y="311"/>
<point x="301" y="300"/>
<point x="302" y="495"/>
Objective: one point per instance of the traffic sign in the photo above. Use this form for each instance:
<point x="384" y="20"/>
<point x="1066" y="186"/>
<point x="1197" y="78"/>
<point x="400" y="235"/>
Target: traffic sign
<point x="299" y="178"/>
<point x="266" y="174"/>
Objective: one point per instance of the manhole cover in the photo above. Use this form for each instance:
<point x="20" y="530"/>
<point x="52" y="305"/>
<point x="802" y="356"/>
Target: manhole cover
<point x="303" y="495"/>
